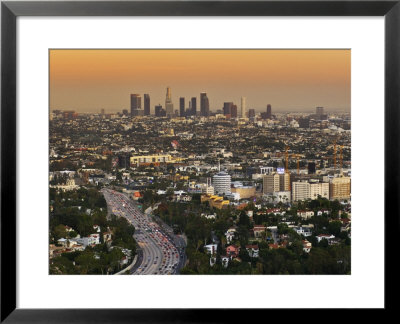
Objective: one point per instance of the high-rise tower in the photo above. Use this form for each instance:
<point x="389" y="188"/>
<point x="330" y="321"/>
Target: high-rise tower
<point x="227" y="108"/>
<point x="194" y="106"/>
<point x="181" y="106"/>
<point x="222" y="183"/>
<point x="252" y="113"/>
<point x="319" y="111"/>
<point x="146" y="104"/>
<point x="204" y="105"/>
<point x="169" y="106"/>
<point x="243" y="107"/>
<point x="234" y="111"/>
<point x="269" y="111"/>
<point x="136" y="104"/>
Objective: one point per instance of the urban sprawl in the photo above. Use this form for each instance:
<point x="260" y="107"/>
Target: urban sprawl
<point x="195" y="191"/>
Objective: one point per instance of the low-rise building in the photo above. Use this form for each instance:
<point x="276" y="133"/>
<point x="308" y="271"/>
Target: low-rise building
<point x="305" y="231"/>
<point x="225" y="261"/>
<point x="252" y="250"/>
<point x="212" y="216"/>
<point x="68" y="186"/>
<point x="258" y="230"/>
<point x="95" y="238"/>
<point x="232" y="251"/>
<point x="305" y="214"/>
<point x="306" y="246"/>
<point x="323" y="211"/>
<point x="278" y="196"/>
<point x="211" y="248"/>
<point x="245" y="192"/>
<point x="215" y="201"/>
<point x="230" y="235"/>
<point x="153" y="159"/>
<point x="63" y="242"/>
<point x="325" y="236"/>
<point x="107" y="236"/>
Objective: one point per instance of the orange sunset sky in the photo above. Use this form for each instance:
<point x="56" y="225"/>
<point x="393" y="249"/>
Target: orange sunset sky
<point x="289" y="80"/>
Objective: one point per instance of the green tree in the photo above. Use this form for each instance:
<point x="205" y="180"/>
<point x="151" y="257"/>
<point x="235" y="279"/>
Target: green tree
<point x="334" y="227"/>
<point x="244" y="220"/>
<point x="72" y="234"/>
<point x="62" y="265"/>
<point x="86" y="262"/>
<point x="59" y="232"/>
<point x="283" y="228"/>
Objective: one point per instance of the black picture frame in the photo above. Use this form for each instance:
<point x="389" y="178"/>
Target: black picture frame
<point x="10" y="10"/>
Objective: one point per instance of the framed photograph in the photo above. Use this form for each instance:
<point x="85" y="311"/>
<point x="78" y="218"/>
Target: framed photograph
<point x="180" y="156"/>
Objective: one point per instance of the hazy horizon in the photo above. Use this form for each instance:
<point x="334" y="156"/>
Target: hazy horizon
<point x="290" y="80"/>
<point x="277" y="111"/>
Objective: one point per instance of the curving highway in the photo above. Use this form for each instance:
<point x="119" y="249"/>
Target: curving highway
<point x="159" y="254"/>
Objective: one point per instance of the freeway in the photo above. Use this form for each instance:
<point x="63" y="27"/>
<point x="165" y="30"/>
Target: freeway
<point x="178" y="240"/>
<point x="159" y="252"/>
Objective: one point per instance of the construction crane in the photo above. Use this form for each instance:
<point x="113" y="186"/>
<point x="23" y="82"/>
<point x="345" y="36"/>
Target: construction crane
<point x="334" y="155"/>
<point x="341" y="158"/>
<point x="286" y="159"/>
<point x="287" y="163"/>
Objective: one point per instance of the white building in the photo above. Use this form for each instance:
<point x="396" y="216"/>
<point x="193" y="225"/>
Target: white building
<point x="305" y="214"/>
<point x="63" y="242"/>
<point x="222" y="183"/>
<point x="266" y="170"/>
<point x="211" y="248"/>
<point x="325" y="236"/>
<point x="230" y="235"/>
<point x="225" y="261"/>
<point x="213" y="260"/>
<point x="306" y="246"/>
<point x="97" y="228"/>
<point x="70" y="185"/>
<point x="95" y="238"/>
<point x="90" y="240"/>
<point x="207" y="189"/>
<point x="300" y="190"/>
<point x="305" y="231"/>
<point x="212" y="216"/>
<point x="234" y="196"/>
<point x="252" y="250"/>
<point x="279" y="196"/>
<point x="319" y="189"/>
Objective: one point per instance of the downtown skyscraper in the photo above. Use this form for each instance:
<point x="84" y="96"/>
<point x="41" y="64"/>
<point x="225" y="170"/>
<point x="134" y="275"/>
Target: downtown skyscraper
<point x="181" y="106"/>
<point x="269" y="111"/>
<point x="204" y="105"/>
<point x="169" y="106"/>
<point x="227" y="108"/>
<point x="146" y="104"/>
<point x="136" y="105"/>
<point x="234" y="111"/>
<point x="193" y="106"/>
<point x="243" y="107"/>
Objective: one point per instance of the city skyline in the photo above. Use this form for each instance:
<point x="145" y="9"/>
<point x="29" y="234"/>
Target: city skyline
<point x="105" y="79"/>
